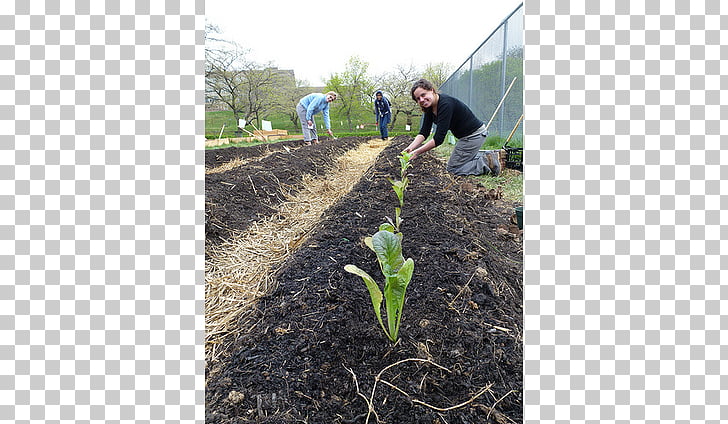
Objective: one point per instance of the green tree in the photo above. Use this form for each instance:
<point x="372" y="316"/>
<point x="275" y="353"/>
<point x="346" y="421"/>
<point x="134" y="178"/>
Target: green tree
<point x="437" y="73"/>
<point x="354" y="86"/>
<point x="397" y="85"/>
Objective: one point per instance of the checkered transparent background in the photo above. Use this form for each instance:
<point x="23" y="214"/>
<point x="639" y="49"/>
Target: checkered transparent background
<point x="625" y="212"/>
<point x="101" y="228"/>
<point x="101" y="236"/>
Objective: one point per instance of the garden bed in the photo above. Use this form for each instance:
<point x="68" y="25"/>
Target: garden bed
<point x="239" y="196"/>
<point x="312" y="349"/>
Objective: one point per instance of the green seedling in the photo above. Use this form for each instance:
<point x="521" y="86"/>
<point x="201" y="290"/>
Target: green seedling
<point x="404" y="162"/>
<point x="387" y="245"/>
<point x="397" y="274"/>
<point x="400" y="186"/>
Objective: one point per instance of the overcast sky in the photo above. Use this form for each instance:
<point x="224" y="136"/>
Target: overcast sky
<point x="317" y="38"/>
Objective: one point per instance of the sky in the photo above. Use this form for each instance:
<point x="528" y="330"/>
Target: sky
<point x="317" y="38"/>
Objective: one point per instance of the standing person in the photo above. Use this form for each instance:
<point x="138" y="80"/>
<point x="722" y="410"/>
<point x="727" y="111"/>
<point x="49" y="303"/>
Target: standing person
<point x="382" y="113"/>
<point x="449" y="113"/>
<point x="309" y="106"/>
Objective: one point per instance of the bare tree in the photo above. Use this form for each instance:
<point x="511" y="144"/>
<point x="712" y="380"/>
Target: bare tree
<point x="262" y="89"/>
<point x="245" y="86"/>
<point x="224" y="77"/>
<point x="212" y="32"/>
<point x="288" y="97"/>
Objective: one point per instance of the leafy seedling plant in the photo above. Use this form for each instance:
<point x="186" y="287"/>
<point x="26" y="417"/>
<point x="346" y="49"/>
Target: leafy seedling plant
<point x="399" y="187"/>
<point x="387" y="245"/>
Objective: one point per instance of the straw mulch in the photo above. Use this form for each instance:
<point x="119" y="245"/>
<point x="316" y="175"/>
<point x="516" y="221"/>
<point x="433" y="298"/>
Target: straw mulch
<point x="240" y="161"/>
<point x="228" y="166"/>
<point x="240" y="270"/>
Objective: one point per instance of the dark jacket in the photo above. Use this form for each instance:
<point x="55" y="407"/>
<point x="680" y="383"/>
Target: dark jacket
<point x="381" y="107"/>
<point x="453" y="115"/>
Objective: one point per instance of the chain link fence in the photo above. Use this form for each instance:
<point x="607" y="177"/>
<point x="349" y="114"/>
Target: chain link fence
<point x="483" y="79"/>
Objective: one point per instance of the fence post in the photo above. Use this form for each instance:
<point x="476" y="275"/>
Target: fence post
<point x="470" y="91"/>
<point x="503" y="73"/>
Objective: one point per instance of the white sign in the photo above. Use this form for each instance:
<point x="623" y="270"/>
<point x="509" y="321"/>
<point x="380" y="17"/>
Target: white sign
<point x="241" y="123"/>
<point x="407" y="127"/>
<point x="266" y="125"/>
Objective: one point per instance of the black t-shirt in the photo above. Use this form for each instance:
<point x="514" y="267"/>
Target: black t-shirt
<point x="453" y="115"/>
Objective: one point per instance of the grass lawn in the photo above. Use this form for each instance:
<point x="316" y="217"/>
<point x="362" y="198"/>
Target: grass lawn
<point x="214" y="122"/>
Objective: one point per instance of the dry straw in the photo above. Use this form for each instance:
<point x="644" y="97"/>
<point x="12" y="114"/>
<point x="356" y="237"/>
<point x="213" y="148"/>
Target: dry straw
<point x="227" y="166"/>
<point x="236" y="162"/>
<point x="241" y="270"/>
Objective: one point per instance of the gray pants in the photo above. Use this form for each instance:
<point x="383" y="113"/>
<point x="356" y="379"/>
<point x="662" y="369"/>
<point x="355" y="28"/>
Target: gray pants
<point x="308" y="133"/>
<point x="466" y="159"/>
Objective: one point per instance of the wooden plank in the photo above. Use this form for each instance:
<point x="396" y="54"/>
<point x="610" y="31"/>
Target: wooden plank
<point x="269" y="133"/>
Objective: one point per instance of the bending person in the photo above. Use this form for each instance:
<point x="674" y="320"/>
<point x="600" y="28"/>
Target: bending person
<point x="449" y="113"/>
<point x="309" y="106"/>
<point x="382" y="113"/>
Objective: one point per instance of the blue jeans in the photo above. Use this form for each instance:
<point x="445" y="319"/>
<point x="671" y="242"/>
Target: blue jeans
<point x="383" y="122"/>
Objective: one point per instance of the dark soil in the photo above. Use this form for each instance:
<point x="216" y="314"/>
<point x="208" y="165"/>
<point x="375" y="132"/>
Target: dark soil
<point x="235" y="198"/>
<point x="217" y="157"/>
<point x="463" y="311"/>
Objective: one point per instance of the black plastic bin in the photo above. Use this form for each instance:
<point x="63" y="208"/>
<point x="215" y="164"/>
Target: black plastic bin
<point x="514" y="158"/>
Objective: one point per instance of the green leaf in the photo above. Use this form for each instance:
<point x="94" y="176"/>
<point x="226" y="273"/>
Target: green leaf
<point x="374" y="292"/>
<point x="386" y="227"/>
<point x="397" y="183"/>
<point x="399" y="191"/>
<point x="368" y="242"/>
<point x="388" y="247"/>
<point x="399" y="188"/>
<point x="406" y="271"/>
<point x="394" y="293"/>
<point x="404" y="162"/>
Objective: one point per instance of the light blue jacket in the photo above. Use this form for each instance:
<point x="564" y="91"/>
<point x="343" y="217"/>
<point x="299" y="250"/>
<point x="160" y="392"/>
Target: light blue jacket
<point x="315" y="103"/>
